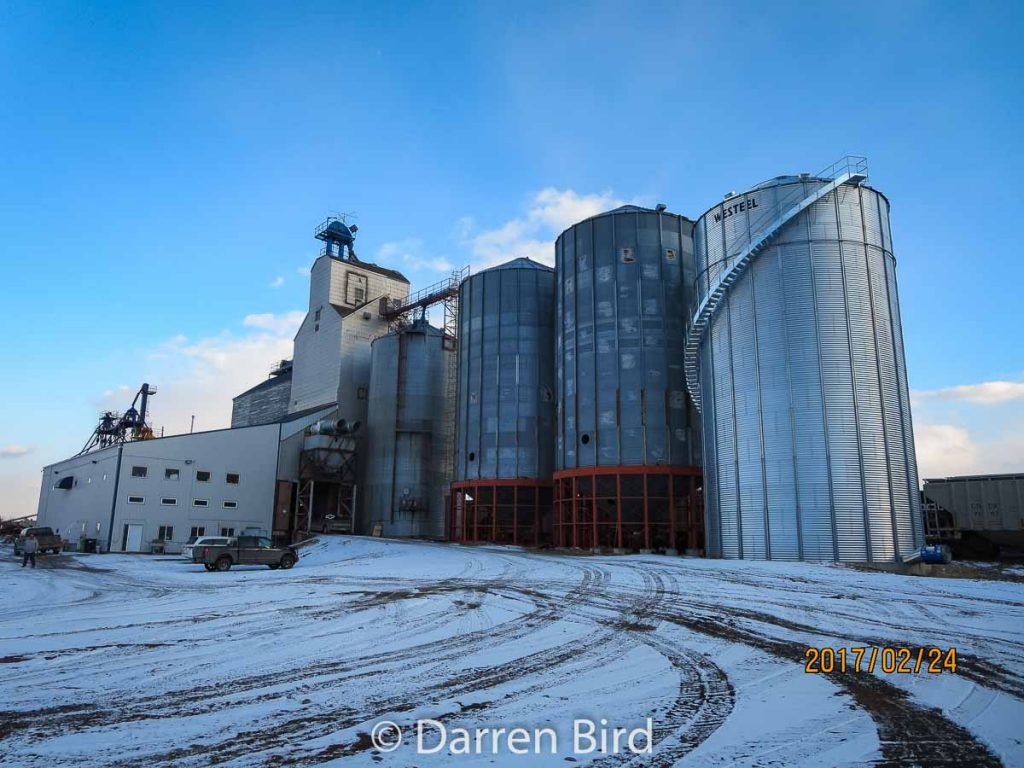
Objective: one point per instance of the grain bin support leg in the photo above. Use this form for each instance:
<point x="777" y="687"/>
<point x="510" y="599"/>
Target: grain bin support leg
<point x="672" y="528"/>
<point x="647" y="519"/>
<point x="515" y="514"/>
<point x="618" y="511"/>
<point x="691" y="514"/>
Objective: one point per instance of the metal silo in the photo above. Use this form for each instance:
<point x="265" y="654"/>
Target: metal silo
<point x="505" y="404"/>
<point x="795" y="357"/>
<point x="628" y="441"/>
<point x="405" y="486"/>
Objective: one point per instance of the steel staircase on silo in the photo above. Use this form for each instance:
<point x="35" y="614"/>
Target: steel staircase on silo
<point x="848" y="170"/>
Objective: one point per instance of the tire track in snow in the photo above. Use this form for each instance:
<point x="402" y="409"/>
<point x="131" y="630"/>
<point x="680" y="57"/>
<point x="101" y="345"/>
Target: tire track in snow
<point x="909" y="733"/>
<point x="621" y="615"/>
<point x="275" y="735"/>
<point x="129" y="707"/>
<point x="704" y="696"/>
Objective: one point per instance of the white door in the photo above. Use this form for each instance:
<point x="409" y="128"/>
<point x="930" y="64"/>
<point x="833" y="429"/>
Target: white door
<point x="134" y="542"/>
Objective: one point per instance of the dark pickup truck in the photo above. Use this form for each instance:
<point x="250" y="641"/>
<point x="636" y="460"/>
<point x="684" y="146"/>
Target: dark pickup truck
<point x="48" y="541"/>
<point x="244" y="550"/>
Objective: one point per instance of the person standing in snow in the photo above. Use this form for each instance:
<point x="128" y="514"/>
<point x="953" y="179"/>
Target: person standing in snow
<point x="28" y="551"/>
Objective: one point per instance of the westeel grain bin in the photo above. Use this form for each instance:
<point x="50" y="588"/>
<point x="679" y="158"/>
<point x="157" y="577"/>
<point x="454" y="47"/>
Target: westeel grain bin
<point x="628" y="439"/>
<point x="405" y="487"/>
<point x="505" y="404"/>
<point x="795" y="357"/>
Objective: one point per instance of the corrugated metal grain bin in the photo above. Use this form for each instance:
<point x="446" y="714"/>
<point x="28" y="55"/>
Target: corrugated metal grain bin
<point x="625" y="280"/>
<point x="505" y="405"/>
<point x="405" y="486"/>
<point x="621" y="302"/>
<point x="808" y="442"/>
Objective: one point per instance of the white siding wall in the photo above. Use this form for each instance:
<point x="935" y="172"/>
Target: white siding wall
<point x="377" y="285"/>
<point x="84" y="510"/>
<point x="317" y="365"/>
<point x="322" y="368"/>
<point x="250" y="452"/>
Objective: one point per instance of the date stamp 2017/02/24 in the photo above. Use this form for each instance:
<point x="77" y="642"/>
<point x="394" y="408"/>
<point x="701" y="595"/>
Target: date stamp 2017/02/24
<point x="887" y="659"/>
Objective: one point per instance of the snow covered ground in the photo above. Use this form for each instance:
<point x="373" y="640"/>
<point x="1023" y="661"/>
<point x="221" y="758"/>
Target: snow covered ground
<point x="141" y="661"/>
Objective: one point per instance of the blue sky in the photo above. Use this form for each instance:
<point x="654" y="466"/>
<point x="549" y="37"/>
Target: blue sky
<point x="164" y="166"/>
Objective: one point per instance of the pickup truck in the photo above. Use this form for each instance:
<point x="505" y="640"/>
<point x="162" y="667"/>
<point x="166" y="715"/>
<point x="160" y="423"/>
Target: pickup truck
<point x="244" y="550"/>
<point x="48" y="540"/>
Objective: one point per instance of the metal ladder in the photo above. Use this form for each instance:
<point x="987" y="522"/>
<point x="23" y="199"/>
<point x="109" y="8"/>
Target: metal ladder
<point x="449" y="432"/>
<point x="848" y="170"/>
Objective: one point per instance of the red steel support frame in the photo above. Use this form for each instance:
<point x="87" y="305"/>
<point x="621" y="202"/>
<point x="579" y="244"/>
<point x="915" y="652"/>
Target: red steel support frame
<point x="618" y="508"/>
<point x="574" y="528"/>
<point x="464" y="527"/>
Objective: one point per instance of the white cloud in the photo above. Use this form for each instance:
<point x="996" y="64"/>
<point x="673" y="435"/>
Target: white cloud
<point x="277" y="282"/>
<point x="985" y="393"/>
<point x="547" y="213"/>
<point x="944" y="450"/>
<point x="970" y="428"/>
<point x="282" y="325"/>
<point x="560" y="209"/>
<point x="304" y="271"/>
<point x="411" y="253"/>
<point x="21" y="492"/>
<point x="200" y="377"/>
<point x="192" y="377"/>
<point x="533" y="234"/>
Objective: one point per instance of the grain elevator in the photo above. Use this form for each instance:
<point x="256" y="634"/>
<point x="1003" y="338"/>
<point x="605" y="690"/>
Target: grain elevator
<point x="733" y="385"/>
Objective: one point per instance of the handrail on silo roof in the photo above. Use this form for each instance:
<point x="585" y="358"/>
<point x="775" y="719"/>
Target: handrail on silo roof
<point x="853" y="164"/>
<point x="849" y="169"/>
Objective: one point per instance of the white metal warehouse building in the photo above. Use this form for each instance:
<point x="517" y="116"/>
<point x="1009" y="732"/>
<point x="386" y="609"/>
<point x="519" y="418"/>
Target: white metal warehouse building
<point x="142" y="495"/>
